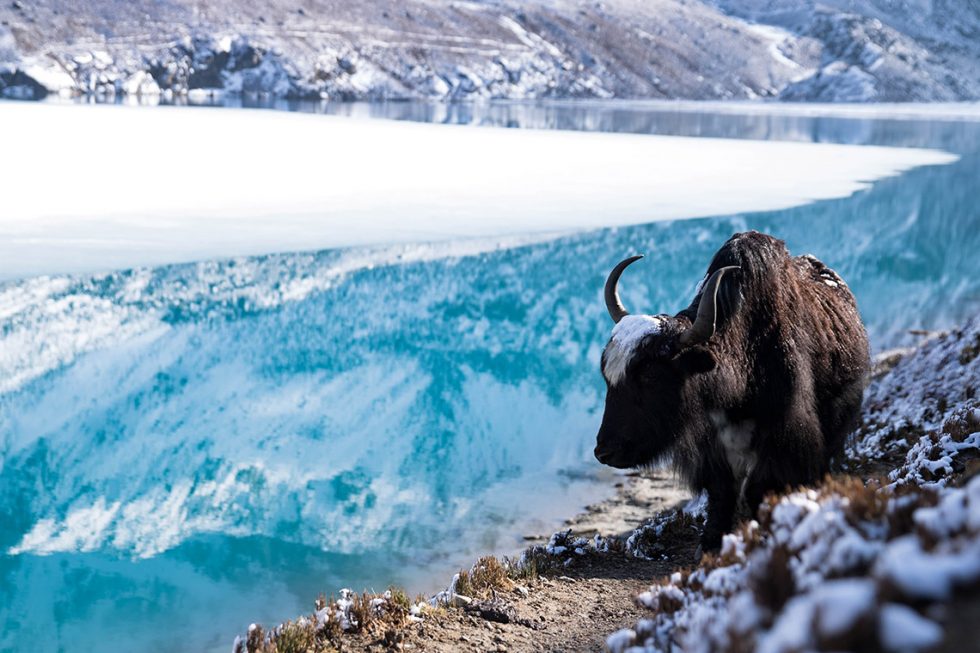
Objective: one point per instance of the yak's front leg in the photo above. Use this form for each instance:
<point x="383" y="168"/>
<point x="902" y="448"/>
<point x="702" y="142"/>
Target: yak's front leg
<point x="722" y="501"/>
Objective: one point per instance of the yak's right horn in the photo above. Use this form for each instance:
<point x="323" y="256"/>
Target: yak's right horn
<point x="704" y="325"/>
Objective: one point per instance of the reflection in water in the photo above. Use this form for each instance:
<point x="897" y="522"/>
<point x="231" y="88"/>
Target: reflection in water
<point x="634" y="118"/>
<point x="243" y="434"/>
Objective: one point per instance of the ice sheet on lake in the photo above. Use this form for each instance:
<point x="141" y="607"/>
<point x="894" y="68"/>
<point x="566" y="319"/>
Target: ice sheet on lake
<point x="95" y="188"/>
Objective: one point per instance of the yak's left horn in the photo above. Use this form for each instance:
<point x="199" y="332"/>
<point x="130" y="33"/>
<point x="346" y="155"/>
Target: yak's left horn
<point x="704" y="324"/>
<point x="615" y="307"/>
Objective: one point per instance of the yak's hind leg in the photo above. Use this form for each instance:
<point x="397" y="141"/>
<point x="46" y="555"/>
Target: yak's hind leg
<point x="791" y="453"/>
<point x="840" y="416"/>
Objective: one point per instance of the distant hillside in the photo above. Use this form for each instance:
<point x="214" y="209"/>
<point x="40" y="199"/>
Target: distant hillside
<point x="835" y="50"/>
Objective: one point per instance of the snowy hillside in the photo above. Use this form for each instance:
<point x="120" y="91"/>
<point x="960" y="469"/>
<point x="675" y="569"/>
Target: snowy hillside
<point x="891" y="563"/>
<point x="869" y="50"/>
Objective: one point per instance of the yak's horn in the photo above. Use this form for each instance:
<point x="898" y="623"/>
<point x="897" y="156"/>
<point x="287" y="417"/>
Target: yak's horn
<point x="704" y="325"/>
<point x="615" y="307"/>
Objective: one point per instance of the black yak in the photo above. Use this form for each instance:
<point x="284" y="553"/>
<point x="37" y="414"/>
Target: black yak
<point x="752" y="388"/>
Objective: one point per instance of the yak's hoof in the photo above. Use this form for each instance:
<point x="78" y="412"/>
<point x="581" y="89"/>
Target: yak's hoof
<point x="709" y="544"/>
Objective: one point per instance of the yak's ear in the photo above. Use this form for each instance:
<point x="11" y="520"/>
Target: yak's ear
<point x="695" y="360"/>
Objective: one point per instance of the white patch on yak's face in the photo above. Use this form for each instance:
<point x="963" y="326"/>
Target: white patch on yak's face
<point x="626" y="337"/>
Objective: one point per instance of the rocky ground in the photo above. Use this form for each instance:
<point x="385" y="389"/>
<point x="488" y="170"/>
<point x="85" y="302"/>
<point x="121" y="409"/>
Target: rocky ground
<point x="833" y="50"/>
<point x="883" y="556"/>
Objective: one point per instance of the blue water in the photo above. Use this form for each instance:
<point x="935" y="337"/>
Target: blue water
<point x="187" y="449"/>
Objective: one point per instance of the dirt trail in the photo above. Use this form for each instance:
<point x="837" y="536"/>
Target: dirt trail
<point x="571" y="611"/>
<point x="573" y="608"/>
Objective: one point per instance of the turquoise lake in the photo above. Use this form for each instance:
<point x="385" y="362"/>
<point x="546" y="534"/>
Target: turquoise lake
<point x="253" y="432"/>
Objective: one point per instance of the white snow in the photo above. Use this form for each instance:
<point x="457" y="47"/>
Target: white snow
<point x="89" y="188"/>
<point x="930" y="574"/>
<point x="343" y="610"/>
<point x="52" y="76"/>
<point x="777" y="36"/>
<point x="840" y="603"/>
<point x="902" y="629"/>
<point x="620" y="640"/>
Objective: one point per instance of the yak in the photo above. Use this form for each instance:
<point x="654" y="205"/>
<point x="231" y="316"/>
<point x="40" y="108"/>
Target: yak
<point x="752" y="388"/>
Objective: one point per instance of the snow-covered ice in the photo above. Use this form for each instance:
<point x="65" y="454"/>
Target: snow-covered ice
<point x="89" y="188"/>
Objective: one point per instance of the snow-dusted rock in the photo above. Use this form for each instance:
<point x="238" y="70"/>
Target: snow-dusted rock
<point x="140" y="83"/>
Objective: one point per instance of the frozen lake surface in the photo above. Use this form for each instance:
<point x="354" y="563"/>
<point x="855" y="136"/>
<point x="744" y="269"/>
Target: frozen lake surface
<point x="189" y="447"/>
<point x="91" y="188"/>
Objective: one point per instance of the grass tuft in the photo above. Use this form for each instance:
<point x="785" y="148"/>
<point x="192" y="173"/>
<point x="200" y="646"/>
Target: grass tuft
<point x="485" y="578"/>
<point x="295" y="637"/>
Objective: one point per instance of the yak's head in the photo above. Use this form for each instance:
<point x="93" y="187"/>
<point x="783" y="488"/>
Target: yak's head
<point x="647" y="363"/>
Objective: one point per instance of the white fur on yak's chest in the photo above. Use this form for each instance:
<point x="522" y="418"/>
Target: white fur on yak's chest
<point x="735" y="439"/>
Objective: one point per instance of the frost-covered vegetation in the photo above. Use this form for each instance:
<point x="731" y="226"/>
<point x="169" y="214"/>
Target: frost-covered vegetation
<point x="352" y="619"/>
<point x="877" y="557"/>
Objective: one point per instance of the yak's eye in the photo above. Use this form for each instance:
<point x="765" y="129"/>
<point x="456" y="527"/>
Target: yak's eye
<point x="646" y="369"/>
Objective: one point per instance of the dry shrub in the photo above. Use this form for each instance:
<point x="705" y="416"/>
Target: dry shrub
<point x="865" y="503"/>
<point x="331" y="630"/>
<point x="400" y="599"/>
<point x="384" y="622"/>
<point x="667" y="603"/>
<point x="392" y="614"/>
<point x="255" y="642"/>
<point x="769" y="503"/>
<point x="462" y="584"/>
<point x="487" y="576"/>
<point x="668" y="532"/>
<point x="524" y="569"/>
<point x="772" y="582"/>
<point x="295" y="637"/>
<point x="906" y="499"/>
<point x="681" y="528"/>
<point x="961" y="424"/>
<point x="970" y="351"/>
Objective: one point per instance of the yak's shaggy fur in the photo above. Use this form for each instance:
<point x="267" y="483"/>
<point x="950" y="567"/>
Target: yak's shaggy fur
<point x="764" y="403"/>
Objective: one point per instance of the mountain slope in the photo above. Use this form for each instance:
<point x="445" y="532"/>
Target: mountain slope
<point x="872" y="50"/>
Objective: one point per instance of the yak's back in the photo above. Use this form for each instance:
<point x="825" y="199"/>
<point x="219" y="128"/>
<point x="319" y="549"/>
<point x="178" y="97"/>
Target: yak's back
<point x="754" y="291"/>
<point x="795" y="305"/>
